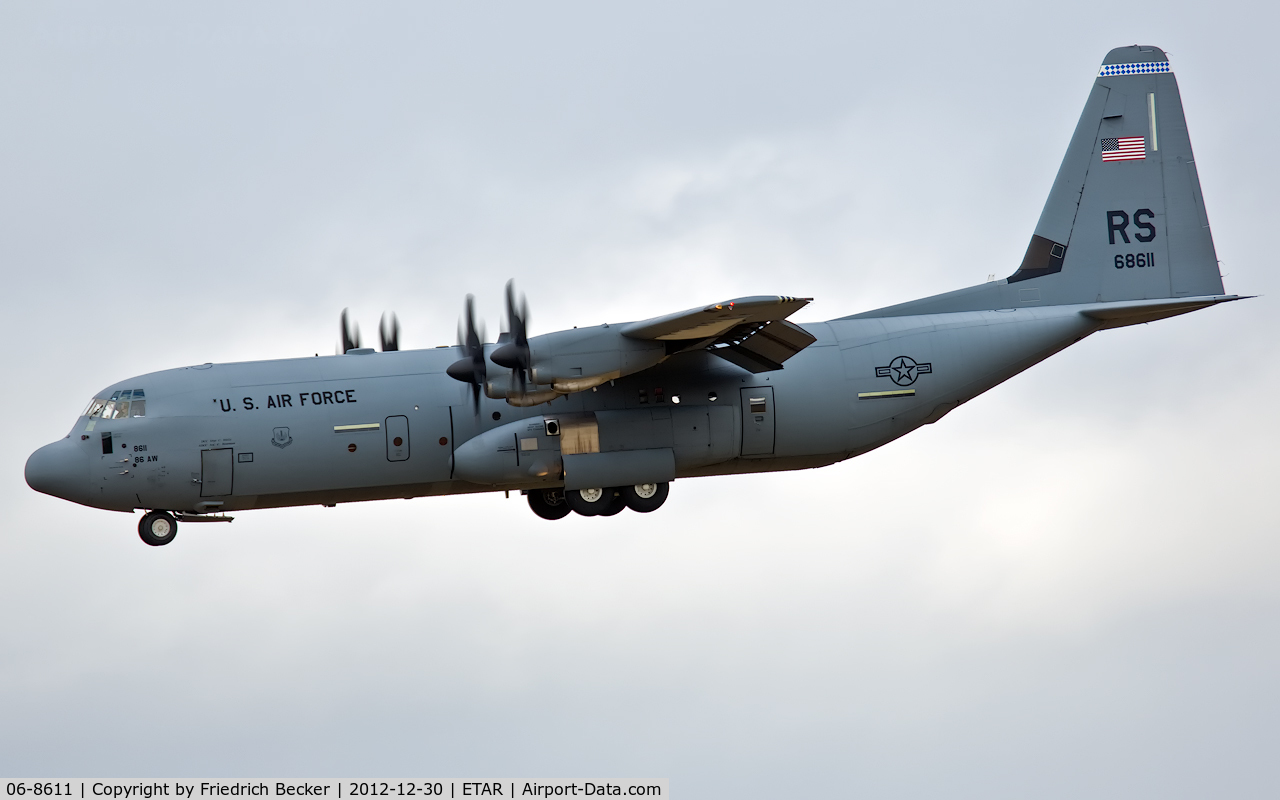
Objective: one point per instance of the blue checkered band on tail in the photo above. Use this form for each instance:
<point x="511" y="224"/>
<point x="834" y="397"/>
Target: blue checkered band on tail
<point x="1141" y="68"/>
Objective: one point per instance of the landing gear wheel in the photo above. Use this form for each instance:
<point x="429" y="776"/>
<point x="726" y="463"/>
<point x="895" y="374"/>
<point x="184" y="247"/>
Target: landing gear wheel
<point x="548" y="503"/>
<point x="617" y="503"/>
<point x="590" y="502"/>
<point x="157" y="528"/>
<point x="645" y="497"/>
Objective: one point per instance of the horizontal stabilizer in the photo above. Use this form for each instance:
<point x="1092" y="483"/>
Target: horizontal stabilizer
<point x="712" y="321"/>
<point x="1133" y="312"/>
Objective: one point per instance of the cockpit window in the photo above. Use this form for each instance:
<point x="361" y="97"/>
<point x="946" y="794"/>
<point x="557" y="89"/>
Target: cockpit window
<point x="120" y="405"/>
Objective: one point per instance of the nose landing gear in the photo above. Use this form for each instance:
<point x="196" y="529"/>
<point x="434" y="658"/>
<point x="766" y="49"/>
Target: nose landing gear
<point x="157" y="528"/>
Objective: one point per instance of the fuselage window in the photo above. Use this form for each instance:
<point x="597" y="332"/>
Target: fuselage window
<point x="120" y="405"/>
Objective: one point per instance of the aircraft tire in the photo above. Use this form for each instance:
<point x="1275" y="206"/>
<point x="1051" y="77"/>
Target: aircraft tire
<point x="617" y="503"/>
<point x="589" y="502"/>
<point x="157" y="528"/>
<point x="549" y="503"/>
<point x="646" y="497"/>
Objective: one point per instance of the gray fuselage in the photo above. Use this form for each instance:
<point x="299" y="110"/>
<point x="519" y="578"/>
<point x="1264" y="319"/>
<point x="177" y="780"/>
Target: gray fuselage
<point x="323" y="430"/>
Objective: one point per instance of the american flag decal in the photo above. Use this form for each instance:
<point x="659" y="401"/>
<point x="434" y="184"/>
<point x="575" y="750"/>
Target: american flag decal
<point x="1126" y="148"/>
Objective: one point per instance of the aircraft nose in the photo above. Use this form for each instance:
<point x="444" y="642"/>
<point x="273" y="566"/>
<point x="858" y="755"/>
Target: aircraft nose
<point x="61" y="470"/>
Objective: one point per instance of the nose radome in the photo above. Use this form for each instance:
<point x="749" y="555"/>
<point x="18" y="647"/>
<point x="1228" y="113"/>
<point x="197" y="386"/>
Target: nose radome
<point x="59" y="469"/>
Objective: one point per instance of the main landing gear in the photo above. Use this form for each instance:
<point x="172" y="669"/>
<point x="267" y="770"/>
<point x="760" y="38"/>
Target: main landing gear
<point x="605" y="502"/>
<point x="548" y="503"/>
<point x="157" y="528"/>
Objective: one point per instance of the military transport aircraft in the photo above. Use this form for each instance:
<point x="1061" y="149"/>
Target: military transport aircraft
<point x="595" y="420"/>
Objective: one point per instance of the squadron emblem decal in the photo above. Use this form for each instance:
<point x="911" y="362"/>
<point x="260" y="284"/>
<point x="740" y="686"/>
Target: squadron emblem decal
<point x="904" y="370"/>
<point x="280" y="437"/>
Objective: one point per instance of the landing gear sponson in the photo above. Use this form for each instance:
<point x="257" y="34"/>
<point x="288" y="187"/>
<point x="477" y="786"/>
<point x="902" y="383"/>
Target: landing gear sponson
<point x="597" y="502"/>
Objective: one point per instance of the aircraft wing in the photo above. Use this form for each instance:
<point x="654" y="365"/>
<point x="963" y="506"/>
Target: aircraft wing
<point x="751" y="332"/>
<point x="714" y="320"/>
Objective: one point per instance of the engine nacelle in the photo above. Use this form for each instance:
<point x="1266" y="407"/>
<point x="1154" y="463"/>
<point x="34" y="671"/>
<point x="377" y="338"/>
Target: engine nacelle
<point x="575" y="360"/>
<point x="502" y="386"/>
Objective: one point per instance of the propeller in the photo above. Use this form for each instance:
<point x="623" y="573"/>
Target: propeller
<point x="515" y="354"/>
<point x="470" y="368"/>
<point x="350" y="337"/>
<point x="389" y="334"/>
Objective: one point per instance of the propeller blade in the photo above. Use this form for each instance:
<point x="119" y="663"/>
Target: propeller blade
<point x="519" y="317"/>
<point x="389" y="334"/>
<point x="350" y="339"/>
<point x="470" y="368"/>
<point x="515" y="354"/>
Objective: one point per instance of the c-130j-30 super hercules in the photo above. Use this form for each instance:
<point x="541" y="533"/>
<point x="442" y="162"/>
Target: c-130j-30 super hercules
<point x="1123" y="239"/>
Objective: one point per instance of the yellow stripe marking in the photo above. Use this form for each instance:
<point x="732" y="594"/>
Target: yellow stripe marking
<point x="368" y="426"/>
<point x="895" y="393"/>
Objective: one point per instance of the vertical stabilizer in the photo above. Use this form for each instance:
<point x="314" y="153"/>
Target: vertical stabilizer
<point x="1125" y="219"/>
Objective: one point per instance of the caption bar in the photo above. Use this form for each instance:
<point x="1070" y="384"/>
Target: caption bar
<point x="331" y="790"/>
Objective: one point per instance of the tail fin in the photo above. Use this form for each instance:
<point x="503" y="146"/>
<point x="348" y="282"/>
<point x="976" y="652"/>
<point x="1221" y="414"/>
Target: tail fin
<point x="1125" y="219"/>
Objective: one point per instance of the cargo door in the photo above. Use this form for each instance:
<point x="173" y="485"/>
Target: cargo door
<point x="215" y="472"/>
<point x="757" y="421"/>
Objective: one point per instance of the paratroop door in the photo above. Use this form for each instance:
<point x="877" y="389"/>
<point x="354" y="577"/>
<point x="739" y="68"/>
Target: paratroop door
<point x="397" y="438"/>
<point x="215" y="472"/>
<point x="757" y="421"/>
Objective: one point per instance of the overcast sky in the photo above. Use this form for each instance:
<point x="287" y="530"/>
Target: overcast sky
<point x="1065" y="589"/>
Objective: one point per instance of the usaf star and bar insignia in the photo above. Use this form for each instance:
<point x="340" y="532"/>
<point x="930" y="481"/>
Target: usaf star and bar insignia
<point x="903" y="370"/>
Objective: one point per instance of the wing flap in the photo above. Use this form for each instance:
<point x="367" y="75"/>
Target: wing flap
<point x="762" y="347"/>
